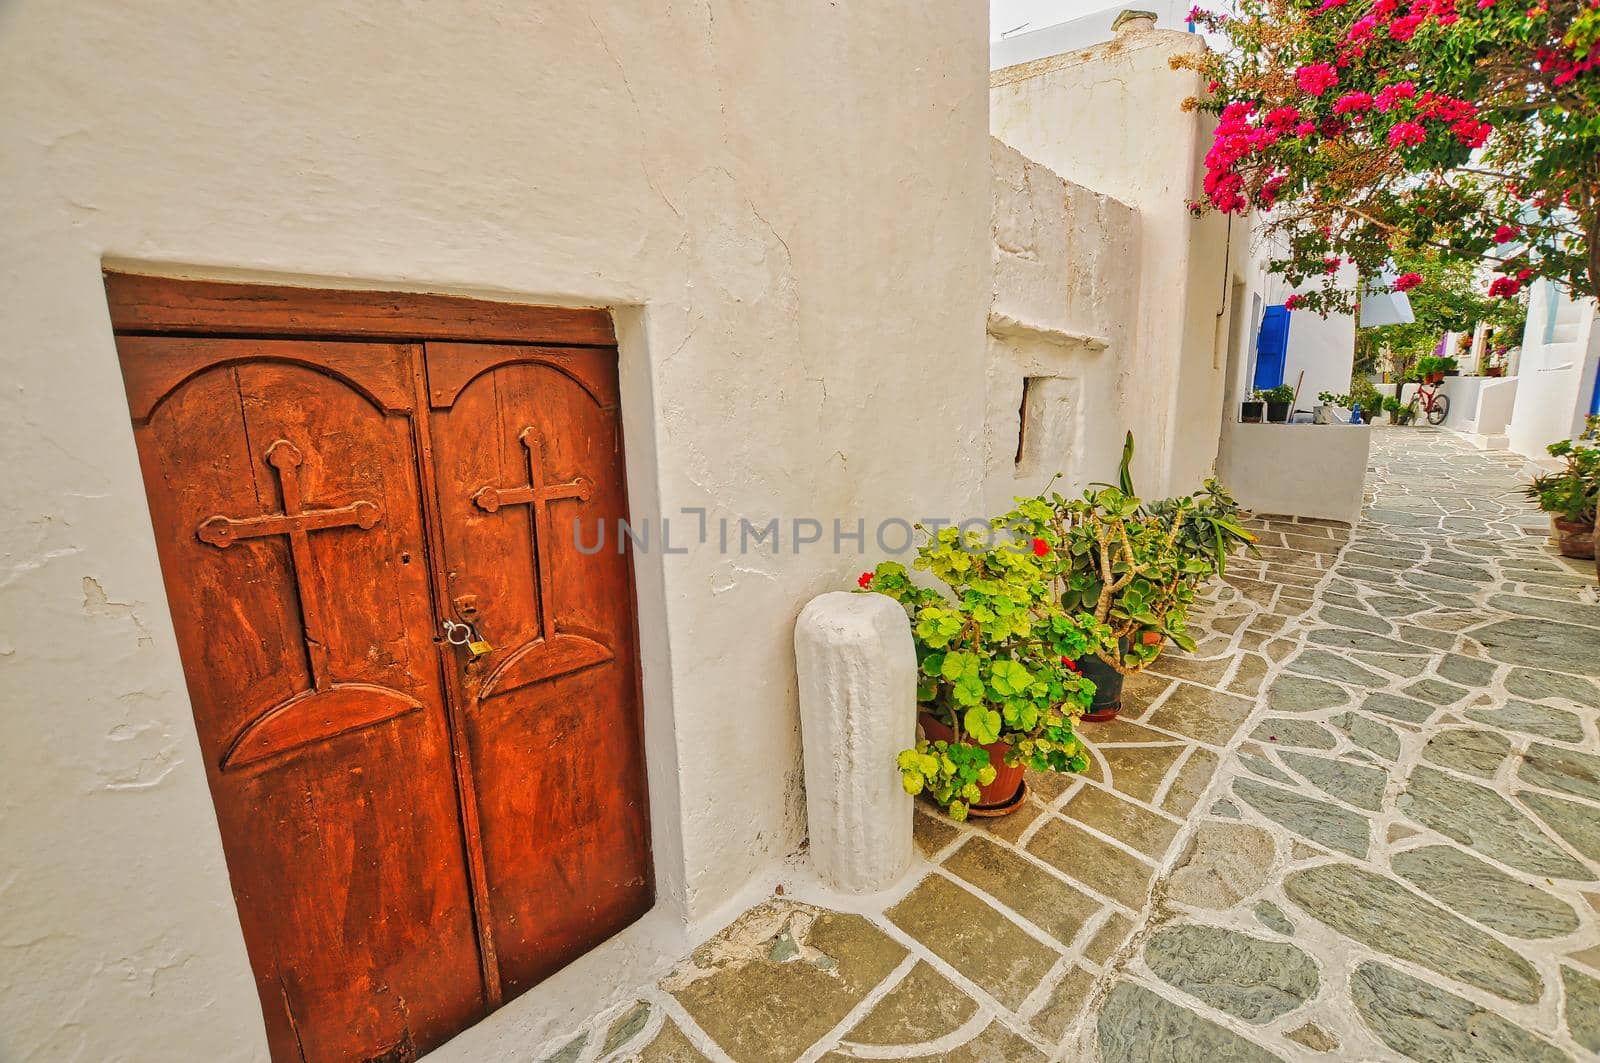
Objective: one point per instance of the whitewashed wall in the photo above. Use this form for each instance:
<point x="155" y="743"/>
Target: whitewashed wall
<point x="1555" y="371"/>
<point x="1110" y="118"/>
<point x="1065" y="289"/>
<point x="790" y="206"/>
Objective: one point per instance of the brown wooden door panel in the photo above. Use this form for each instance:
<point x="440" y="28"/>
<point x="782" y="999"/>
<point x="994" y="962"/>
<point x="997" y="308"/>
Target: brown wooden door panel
<point x="526" y="444"/>
<point x="308" y="652"/>
<point x="412" y="836"/>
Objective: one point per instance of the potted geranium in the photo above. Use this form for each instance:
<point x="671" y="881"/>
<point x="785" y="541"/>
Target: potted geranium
<point x="1253" y="409"/>
<point x="1569" y="495"/>
<point x="997" y="690"/>
<point x="1133" y="567"/>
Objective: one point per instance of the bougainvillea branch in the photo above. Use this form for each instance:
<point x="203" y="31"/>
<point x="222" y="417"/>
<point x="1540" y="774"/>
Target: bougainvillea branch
<point x="1468" y="129"/>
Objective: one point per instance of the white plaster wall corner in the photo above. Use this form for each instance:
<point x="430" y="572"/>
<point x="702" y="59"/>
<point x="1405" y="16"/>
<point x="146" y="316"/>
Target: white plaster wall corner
<point x="858" y="706"/>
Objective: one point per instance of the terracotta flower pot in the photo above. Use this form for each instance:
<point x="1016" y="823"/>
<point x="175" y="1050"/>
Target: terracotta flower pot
<point x="1573" y="538"/>
<point x="1000" y="796"/>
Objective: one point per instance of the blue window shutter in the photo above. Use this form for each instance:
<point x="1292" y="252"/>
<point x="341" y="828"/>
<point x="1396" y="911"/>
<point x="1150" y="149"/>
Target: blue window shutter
<point x="1272" y="347"/>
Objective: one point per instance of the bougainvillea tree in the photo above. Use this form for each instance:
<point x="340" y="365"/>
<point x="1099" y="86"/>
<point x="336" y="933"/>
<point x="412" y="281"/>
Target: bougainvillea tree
<point x="1470" y="128"/>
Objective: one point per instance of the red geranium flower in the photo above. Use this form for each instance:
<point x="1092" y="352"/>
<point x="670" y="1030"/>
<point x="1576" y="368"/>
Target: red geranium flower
<point x="1040" y="548"/>
<point x="1293" y="301"/>
<point x="1070" y="664"/>
<point x="864" y="581"/>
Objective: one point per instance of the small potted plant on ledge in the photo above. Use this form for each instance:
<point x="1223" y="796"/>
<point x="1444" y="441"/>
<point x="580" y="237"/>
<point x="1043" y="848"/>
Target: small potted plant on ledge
<point x="1399" y="412"/>
<point x="1569" y="495"/>
<point x="1133" y="567"/>
<point x="997" y="690"/>
<point x="1331" y="408"/>
<point x="1253" y="410"/>
<point x="1278" y="401"/>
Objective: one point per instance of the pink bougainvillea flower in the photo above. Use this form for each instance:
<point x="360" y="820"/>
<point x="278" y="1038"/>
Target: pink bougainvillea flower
<point x="864" y="580"/>
<point x="1504" y="287"/>
<point x="1352" y="103"/>
<point x="1523" y="275"/>
<point x="1305" y="129"/>
<point x="1040" y="548"/>
<point x="1390" y="95"/>
<point x="1407" y="134"/>
<point x="1316" y="78"/>
<point x="1484" y="5"/>
<point x="1293" y="302"/>
<point x="1403" y="29"/>
<point x="1330" y="264"/>
<point x="1407" y="281"/>
<point x="1506" y="233"/>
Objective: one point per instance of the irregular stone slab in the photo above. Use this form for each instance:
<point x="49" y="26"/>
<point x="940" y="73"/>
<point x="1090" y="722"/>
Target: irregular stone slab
<point x="1293" y="693"/>
<point x="1435" y="691"/>
<point x="1096" y="863"/>
<point x="1272" y="918"/>
<point x="1338" y="638"/>
<point x="1191" y="781"/>
<point x="1528" y="718"/>
<point x="1430" y="1025"/>
<point x="1468" y="671"/>
<point x="1564" y="770"/>
<point x="1138" y="771"/>
<point x="1123" y="820"/>
<point x="1041" y="898"/>
<point x="1476" y="816"/>
<point x="1468" y="573"/>
<point x="1291" y="732"/>
<point x="1483" y="892"/>
<point x="571" y="1051"/>
<point x="1369" y="734"/>
<point x="995" y="1044"/>
<point x="1474" y="752"/>
<point x="626" y="1027"/>
<point x="1398" y="708"/>
<point x="932" y="832"/>
<point x="1325" y="665"/>
<point x="1204" y="715"/>
<point x="762" y="1009"/>
<point x="1421" y="636"/>
<point x="1577" y="824"/>
<point x="1359" y="620"/>
<point x="1531" y="683"/>
<point x="1352" y="783"/>
<point x="671" y="1046"/>
<point x="1249" y="675"/>
<point x="1246" y="977"/>
<point x="1137" y="1026"/>
<point x="973" y="938"/>
<point x="1266" y="769"/>
<point x="1543" y="644"/>
<point x="1223" y="864"/>
<point x="924" y="1006"/>
<point x="1313" y="1037"/>
<point x="1582" y="1009"/>
<point x="1108" y="939"/>
<point x="1396" y="605"/>
<point x="1379" y="912"/>
<point x="1404" y="667"/>
<point x="1545" y="609"/>
<point x="1226" y="809"/>
<point x="1326" y="824"/>
<point x="1064" y="1004"/>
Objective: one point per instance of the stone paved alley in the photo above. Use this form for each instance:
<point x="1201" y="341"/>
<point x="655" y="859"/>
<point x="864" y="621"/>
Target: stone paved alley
<point x="1358" y="823"/>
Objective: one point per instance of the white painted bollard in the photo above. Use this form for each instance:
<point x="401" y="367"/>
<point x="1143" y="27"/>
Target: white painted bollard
<point x="858" y="710"/>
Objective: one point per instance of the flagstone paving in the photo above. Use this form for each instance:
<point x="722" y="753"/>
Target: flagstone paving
<point x="1361" y="821"/>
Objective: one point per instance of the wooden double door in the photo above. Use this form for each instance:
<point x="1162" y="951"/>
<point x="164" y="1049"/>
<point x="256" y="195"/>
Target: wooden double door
<point x="415" y="832"/>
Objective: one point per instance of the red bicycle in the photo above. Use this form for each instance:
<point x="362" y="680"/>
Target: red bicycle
<point x="1434" y="404"/>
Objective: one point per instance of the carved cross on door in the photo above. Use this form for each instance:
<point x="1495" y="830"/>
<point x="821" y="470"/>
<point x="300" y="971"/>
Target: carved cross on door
<point x="296" y="522"/>
<point x="539" y="495"/>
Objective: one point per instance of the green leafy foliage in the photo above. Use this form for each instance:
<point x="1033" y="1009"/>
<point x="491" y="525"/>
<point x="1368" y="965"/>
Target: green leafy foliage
<point x="1280" y="394"/>
<point x="1061" y="579"/>
<point x="1571" y="492"/>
